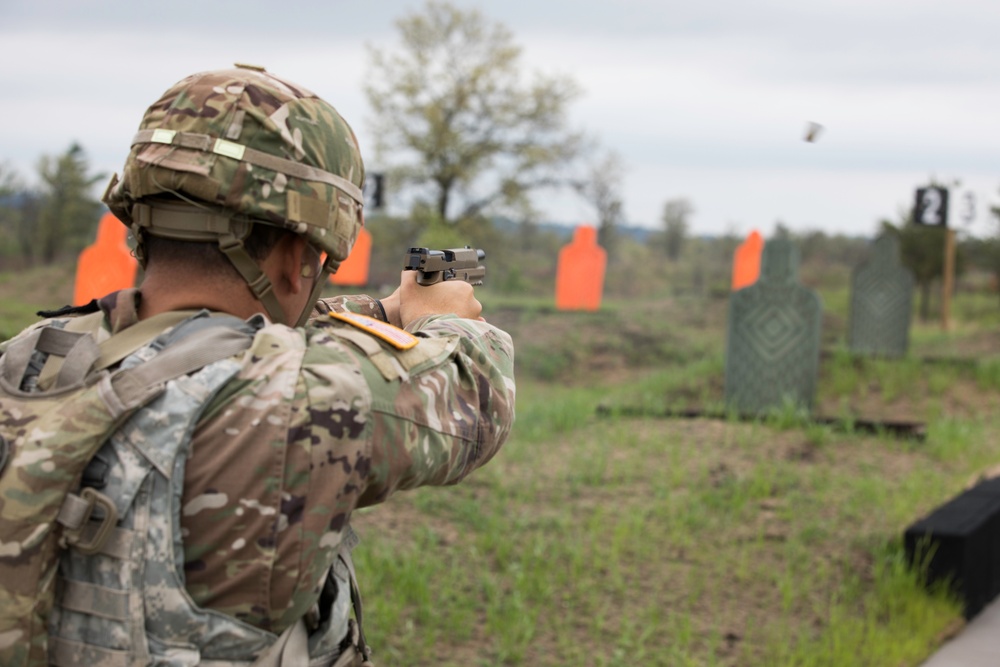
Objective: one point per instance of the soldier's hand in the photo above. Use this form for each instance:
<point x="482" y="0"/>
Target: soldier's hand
<point x="448" y="297"/>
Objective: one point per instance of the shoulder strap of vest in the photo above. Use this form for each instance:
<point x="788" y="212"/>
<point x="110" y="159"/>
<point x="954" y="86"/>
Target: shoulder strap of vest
<point x="53" y="341"/>
<point x="200" y="348"/>
<point x="127" y="341"/>
<point x="73" y="351"/>
<point x="129" y="388"/>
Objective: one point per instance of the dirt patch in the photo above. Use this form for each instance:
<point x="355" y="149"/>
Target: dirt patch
<point x="400" y="520"/>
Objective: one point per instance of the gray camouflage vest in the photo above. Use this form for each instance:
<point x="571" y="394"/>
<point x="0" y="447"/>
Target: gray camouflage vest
<point x="126" y="604"/>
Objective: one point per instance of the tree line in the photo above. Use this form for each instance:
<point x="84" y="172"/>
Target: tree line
<point x="54" y="220"/>
<point x="465" y="136"/>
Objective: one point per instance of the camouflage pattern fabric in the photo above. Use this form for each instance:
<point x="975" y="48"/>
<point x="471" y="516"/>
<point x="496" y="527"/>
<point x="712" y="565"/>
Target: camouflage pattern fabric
<point x="311" y="429"/>
<point x="134" y="589"/>
<point x="53" y="436"/>
<point x="42" y="472"/>
<point x="254" y="144"/>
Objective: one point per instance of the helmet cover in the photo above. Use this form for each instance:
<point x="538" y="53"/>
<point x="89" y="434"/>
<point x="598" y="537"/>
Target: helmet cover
<point x="255" y="146"/>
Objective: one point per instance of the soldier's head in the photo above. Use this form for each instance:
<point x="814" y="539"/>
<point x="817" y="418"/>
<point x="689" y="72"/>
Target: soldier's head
<point x="228" y="163"/>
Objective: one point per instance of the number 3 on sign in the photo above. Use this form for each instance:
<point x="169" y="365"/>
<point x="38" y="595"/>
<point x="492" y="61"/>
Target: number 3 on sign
<point x="969" y="211"/>
<point x="932" y="207"/>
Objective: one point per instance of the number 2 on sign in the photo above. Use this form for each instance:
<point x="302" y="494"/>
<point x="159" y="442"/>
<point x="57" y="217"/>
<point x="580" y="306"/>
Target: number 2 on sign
<point x="931" y="213"/>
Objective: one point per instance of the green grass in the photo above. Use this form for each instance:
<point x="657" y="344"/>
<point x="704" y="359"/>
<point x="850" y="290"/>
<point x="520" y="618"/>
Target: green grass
<point x="15" y="316"/>
<point x="597" y="540"/>
<point x="22" y="294"/>
<point x="890" y="620"/>
<point x="592" y="541"/>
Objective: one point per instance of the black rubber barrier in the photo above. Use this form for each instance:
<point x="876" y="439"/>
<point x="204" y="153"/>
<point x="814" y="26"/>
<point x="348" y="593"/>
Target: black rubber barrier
<point x="959" y="545"/>
<point x="859" y="360"/>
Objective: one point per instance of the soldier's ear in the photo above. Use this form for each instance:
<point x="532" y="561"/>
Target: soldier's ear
<point x="284" y="264"/>
<point x="312" y="261"/>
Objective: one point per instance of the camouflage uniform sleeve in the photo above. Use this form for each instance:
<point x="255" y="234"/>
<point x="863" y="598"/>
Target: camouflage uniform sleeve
<point x="451" y="415"/>
<point x="361" y="304"/>
<point x="312" y="429"/>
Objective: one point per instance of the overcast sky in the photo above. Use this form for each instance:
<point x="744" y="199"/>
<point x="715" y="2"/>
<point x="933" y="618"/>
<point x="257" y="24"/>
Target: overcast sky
<point x="705" y="100"/>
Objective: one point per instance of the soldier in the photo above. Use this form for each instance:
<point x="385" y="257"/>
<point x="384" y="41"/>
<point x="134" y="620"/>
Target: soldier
<point x="244" y="192"/>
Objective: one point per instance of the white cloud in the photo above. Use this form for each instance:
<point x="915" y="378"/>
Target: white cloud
<point x="706" y="100"/>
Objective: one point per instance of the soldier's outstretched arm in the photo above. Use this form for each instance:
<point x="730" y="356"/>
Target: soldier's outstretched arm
<point x="443" y="407"/>
<point x="452" y="414"/>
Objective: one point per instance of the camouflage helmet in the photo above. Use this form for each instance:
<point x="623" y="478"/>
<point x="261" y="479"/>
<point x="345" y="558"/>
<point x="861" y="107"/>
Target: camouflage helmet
<point x="252" y="146"/>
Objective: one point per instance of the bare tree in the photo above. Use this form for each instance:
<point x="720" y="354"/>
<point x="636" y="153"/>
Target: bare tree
<point x="601" y="188"/>
<point x="457" y="123"/>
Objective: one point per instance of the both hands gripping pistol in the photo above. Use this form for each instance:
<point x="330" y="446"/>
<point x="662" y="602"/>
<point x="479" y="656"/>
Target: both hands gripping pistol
<point x="454" y="264"/>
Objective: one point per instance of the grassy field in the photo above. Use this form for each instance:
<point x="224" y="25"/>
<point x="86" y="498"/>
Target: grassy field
<point x="595" y="539"/>
<point x="601" y="540"/>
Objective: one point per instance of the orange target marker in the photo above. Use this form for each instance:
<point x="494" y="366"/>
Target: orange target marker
<point x="580" y="272"/>
<point x="746" y="261"/>
<point x="105" y="266"/>
<point x="353" y="271"/>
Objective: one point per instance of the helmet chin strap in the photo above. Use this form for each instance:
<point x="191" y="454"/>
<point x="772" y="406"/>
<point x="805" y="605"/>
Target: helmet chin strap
<point x="329" y="267"/>
<point x="182" y="221"/>
<point x="258" y="282"/>
<point x="185" y="222"/>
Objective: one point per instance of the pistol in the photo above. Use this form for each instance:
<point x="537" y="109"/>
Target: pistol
<point x="453" y="264"/>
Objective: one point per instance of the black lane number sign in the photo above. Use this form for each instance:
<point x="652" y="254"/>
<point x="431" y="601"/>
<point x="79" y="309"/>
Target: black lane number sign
<point x="931" y="206"/>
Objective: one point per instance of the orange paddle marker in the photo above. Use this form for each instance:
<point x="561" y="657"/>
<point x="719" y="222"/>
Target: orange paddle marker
<point x="580" y="272"/>
<point x="354" y="270"/>
<point x="746" y="261"/>
<point x="105" y="266"/>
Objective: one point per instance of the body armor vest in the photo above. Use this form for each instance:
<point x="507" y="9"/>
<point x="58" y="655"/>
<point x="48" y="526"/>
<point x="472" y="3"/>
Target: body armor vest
<point x="120" y="599"/>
